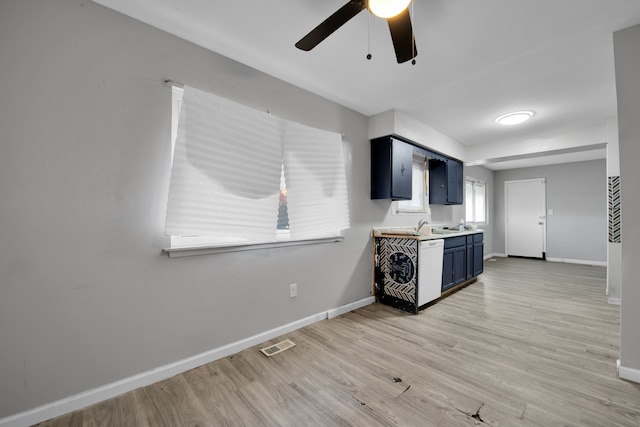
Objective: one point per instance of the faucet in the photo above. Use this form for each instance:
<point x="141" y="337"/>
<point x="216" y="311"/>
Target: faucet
<point x="421" y="223"/>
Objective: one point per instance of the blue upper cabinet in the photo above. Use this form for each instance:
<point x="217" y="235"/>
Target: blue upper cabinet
<point x="455" y="182"/>
<point x="391" y="168"/>
<point x="446" y="182"/>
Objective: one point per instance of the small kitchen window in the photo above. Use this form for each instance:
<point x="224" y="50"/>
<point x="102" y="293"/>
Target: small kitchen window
<point x="476" y="200"/>
<point x="419" y="203"/>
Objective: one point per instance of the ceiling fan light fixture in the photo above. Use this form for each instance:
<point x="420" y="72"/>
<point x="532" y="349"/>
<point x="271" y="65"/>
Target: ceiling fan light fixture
<point x="387" y="8"/>
<point x="514" y="118"/>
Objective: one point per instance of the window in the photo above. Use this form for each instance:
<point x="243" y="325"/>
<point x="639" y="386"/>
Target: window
<point x="283" y="213"/>
<point x="476" y="200"/>
<point x="419" y="202"/>
<point x="243" y="177"/>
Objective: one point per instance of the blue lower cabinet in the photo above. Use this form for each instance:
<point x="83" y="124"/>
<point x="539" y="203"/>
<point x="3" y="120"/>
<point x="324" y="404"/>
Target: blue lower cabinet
<point x="453" y="262"/>
<point x="459" y="265"/>
<point x="469" y="257"/>
<point x="447" y="269"/>
<point x="478" y="258"/>
<point x="462" y="259"/>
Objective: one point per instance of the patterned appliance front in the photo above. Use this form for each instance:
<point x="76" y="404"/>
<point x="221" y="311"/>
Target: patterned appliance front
<point x="398" y="260"/>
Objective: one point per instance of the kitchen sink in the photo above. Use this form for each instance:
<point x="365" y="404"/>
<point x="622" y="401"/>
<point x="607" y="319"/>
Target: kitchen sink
<point x="441" y="231"/>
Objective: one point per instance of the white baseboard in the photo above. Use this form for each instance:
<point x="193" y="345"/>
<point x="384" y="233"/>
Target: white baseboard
<point x="571" y="261"/>
<point x="335" y="312"/>
<point x="578" y="261"/>
<point x="108" y="391"/>
<point x="629" y="374"/>
<point x="614" y="301"/>
<point x="495" y="255"/>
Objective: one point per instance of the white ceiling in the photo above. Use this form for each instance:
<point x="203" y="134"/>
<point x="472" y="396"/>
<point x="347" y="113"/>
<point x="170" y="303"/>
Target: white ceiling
<point x="476" y="59"/>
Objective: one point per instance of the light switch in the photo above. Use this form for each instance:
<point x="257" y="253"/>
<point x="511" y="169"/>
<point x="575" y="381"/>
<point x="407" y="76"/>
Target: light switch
<point x="550" y="211"/>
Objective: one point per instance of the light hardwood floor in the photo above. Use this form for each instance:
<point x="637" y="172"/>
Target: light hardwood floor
<point x="531" y="343"/>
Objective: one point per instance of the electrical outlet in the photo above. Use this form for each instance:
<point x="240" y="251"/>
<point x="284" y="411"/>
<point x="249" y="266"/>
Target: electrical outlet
<point x="293" y="290"/>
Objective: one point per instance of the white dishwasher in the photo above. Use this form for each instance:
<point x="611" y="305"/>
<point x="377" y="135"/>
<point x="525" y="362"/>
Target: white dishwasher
<point x="429" y="270"/>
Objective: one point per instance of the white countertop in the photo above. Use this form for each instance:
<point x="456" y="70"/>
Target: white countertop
<point x="410" y="233"/>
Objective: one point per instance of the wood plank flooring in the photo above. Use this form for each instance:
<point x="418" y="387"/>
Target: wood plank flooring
<point x="531" y="343"/>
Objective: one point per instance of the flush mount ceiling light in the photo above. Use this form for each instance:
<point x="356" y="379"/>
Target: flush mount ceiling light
<point x="387" y="8"/>
<point x="514" y="118"/>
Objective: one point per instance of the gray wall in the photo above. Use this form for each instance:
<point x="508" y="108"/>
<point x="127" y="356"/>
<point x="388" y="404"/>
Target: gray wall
<point x="86" y="295"/>
<point x="627" y="61"/>
<point x="577" y="193"/>
<point x="487" y="175"/>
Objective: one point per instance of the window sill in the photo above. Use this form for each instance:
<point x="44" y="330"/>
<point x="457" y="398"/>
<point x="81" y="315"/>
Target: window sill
<point x="185" y="251"/>
<point x="407" y="212"/>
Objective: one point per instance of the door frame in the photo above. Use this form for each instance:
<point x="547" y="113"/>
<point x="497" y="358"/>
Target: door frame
<point x="544" y="209"/>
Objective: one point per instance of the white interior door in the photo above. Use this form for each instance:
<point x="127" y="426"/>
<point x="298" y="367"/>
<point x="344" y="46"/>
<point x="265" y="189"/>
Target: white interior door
<point x="525" y="217"/>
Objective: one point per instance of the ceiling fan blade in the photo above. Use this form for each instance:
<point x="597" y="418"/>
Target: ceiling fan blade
<point x="402" y="36"/>
<point x="331" y="24"/>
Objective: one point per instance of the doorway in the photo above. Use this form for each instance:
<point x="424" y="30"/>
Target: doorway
<point x="525" y="218"/>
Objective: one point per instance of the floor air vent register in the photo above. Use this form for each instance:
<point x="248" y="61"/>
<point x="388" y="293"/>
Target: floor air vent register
<point x="277" y="348"/>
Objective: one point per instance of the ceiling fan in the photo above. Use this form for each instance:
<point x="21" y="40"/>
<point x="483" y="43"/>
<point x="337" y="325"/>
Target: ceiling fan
<point x="395" y="11"/>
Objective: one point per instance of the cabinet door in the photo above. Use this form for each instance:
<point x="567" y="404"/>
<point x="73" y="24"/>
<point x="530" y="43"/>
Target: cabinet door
<point x="437" y="182"/>
<point x="478" y="258"/>
<point x="470" y="259"/>
<point x="454" y="267"/>
<point x="391" y="169"/>
<point x="401" y="170"/>
<point x="447" y="269"/>
<point x="459" y="265"/>
<point x="446" y="182"/>
<point x="455" y="182"/>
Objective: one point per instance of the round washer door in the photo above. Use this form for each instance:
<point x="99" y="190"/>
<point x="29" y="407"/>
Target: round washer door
<point x="402" y="268"/>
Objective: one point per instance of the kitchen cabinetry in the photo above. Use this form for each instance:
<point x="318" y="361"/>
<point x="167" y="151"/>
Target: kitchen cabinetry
<point x="446" y="182"/>
<point x="391" y="172"/>
<point x="406" y="269"/>
<point x="391" y="168"/>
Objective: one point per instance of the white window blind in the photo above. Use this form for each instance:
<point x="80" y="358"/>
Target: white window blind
<point x="225" y="178"/>
<point x="476" y="200"/>
<point x="316" y="183"/>
<point x="227" y="169"/>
